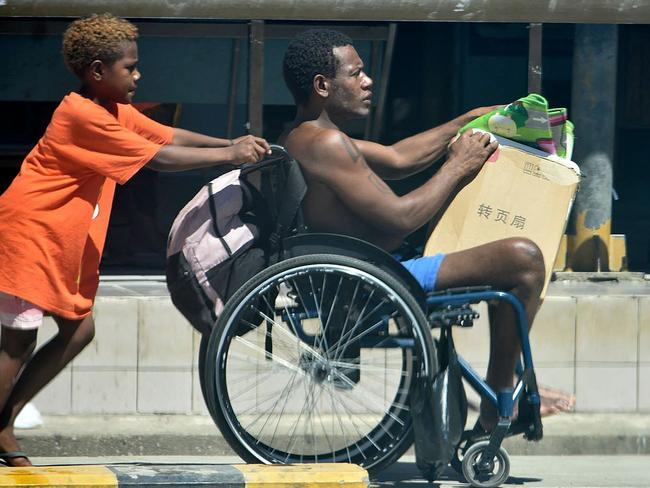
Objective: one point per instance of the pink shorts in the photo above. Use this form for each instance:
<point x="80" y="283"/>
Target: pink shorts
<point x="17" y="313"/>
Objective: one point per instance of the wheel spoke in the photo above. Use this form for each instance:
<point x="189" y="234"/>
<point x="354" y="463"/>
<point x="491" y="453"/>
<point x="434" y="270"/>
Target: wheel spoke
<point x="315" y="368"/>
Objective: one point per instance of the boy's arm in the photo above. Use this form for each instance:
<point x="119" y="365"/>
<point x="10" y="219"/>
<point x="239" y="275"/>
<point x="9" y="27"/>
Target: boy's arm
<point x="183" y="137"/>
<point x="366" y="195"/>
<point x="415" y="153"/>
<point x="173" y="157"/>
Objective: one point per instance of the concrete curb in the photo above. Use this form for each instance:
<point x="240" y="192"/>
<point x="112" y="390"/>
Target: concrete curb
<point x="172" y="476"/>
<point x="196" y="435"/>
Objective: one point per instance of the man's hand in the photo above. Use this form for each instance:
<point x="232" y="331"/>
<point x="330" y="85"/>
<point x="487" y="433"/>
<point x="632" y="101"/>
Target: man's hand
<point x="478" y="112"/>
<point x="249" y="149"/>
<point x="469" y="152"/>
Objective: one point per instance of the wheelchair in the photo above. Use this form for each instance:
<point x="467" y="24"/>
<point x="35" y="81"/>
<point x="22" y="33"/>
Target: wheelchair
<point x="313" y="359"/>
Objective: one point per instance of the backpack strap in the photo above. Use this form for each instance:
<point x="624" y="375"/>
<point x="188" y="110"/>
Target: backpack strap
<point x="213" y="212"/>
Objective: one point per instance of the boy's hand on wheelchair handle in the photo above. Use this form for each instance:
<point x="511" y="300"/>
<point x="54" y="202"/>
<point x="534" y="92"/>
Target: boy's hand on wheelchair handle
<point x="249" y="149"/>
<point x="469" y="152"/>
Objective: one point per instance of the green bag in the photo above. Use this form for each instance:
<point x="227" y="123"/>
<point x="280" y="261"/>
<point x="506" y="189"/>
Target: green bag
<point x="529" y="121"/>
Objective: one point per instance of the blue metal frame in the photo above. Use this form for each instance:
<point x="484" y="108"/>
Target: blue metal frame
<point x="504" y="401"/>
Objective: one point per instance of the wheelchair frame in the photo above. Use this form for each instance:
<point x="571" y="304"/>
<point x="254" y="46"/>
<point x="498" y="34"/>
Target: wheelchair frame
<point x="479" y="455"/>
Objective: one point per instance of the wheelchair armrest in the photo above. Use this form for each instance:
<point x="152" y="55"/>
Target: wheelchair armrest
<point x="459" y="290"/>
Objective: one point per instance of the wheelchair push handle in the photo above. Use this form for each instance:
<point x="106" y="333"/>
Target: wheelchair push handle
<point x="278" y="155"/>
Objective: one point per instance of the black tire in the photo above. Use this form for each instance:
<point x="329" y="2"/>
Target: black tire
<point x="203" y="349"/>
<point x="320" y="397"/>
<point x="496" y="471"/>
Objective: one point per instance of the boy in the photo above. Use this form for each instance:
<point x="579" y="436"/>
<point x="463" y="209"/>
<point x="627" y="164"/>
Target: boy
<point x="54" y="216"/>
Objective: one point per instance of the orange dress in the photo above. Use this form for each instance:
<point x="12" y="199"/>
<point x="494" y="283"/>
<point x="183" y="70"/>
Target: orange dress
<point x="54" y="215"/>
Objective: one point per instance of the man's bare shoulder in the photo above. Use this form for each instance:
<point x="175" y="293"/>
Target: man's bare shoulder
<point x="313" y="144"/>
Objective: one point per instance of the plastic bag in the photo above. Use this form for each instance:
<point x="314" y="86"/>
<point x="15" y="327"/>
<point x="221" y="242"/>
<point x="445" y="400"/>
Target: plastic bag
<point x="439" y="411"/>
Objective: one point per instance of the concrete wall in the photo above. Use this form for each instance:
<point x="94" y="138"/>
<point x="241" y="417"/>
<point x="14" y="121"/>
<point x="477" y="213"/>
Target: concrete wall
<point x="144" y="356"/>
<point x="597" y="347"/>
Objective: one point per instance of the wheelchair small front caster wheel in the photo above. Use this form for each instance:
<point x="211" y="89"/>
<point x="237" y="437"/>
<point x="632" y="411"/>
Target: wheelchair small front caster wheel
<point x="457" y="461"/>
<point x="485" y="473"/>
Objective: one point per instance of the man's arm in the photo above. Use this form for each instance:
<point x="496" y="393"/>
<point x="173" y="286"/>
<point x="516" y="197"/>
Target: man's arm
<point x="415" y="153"/>
<point x="338" y="163"/>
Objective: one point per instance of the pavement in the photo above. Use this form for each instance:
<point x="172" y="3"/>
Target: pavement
<point x="119" y="442"/>
<point x="197" y="435"/>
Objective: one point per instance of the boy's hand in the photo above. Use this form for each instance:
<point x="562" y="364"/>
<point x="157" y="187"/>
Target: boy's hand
<point x="249" y="149"/>
<point x="470" y="151"/>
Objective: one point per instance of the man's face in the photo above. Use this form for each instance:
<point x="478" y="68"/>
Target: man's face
<point x="351" y="93"/>
<point x="119" y="80"/>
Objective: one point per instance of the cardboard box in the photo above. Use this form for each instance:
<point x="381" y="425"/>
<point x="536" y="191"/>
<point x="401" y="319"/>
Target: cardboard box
<point x="520" y="191"/>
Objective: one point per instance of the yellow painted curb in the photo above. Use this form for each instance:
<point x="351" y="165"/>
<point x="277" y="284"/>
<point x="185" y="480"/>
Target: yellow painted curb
<point x="77" y="476"/>
<point x="326" y="475"/>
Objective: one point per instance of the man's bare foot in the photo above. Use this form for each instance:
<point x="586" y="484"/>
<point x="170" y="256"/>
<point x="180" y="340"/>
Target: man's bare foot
<point x="552" y="401"/>
<point x="10" y="452"/>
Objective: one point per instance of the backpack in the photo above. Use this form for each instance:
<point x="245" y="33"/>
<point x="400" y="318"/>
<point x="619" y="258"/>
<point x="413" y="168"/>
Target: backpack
<point x="229" y="232"/>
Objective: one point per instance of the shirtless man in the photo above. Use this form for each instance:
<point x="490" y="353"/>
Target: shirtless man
<point x="347" y="195"/>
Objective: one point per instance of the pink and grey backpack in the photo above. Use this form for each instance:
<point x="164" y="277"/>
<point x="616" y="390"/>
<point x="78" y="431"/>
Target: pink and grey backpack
<point x="229" y="232"/>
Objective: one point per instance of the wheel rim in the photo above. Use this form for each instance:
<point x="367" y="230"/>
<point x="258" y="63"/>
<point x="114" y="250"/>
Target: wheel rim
<point x="302" y="401"/>
<point x="499" y="467"/>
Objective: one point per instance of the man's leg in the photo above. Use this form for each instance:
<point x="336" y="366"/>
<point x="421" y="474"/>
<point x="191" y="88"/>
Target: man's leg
<point x="515" y="265"/>
<point x="48" y="361"/>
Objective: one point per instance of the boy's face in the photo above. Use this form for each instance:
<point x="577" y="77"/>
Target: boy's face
<point x="119" y="80"/>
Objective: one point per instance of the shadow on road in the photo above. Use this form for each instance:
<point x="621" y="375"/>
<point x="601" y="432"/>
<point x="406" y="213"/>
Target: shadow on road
<point x="406" y="474"/>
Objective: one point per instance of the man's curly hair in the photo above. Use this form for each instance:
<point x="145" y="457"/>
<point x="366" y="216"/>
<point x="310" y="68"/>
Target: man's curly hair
<point x="309" y="54"/>
<point x="96" y="37"/>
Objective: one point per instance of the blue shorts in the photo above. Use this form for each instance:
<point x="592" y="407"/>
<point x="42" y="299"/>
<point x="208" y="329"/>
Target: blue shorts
<point x="425" y="269"/>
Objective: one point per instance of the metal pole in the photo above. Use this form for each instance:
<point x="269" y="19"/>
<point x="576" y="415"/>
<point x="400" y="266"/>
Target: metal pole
<point x="232" y="95"/>
<point x="378" y="116"/>
<point x="594" y="114"/>
<point x="256" y="77"/>
<point x="374" y="63"/>
<point x="535" y="58"/>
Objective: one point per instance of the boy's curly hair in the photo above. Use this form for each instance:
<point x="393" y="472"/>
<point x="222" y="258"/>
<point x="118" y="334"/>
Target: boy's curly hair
<point x="309" y="54"/>
<point x="98" y="36"/>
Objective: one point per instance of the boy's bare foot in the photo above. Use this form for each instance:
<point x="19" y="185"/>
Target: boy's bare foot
<point x="552" y="401"/>
<point x="10" y="452"/>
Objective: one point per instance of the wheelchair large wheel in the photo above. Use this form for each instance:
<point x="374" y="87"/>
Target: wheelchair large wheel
<point x="312" y="361"/>
<point x="203" y="351"/>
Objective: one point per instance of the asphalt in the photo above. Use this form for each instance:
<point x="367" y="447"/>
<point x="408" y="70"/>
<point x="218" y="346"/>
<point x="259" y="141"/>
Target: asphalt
<point x="64" y="440"/>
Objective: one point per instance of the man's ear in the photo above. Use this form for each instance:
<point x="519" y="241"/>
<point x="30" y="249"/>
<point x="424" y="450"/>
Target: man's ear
<point x="321" y="86"/>
<point x="96" y="70"/>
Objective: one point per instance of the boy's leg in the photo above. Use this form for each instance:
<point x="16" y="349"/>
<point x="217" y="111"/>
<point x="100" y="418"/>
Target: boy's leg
<point x="15" y="348"/>
<point x="48" y="361"/>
